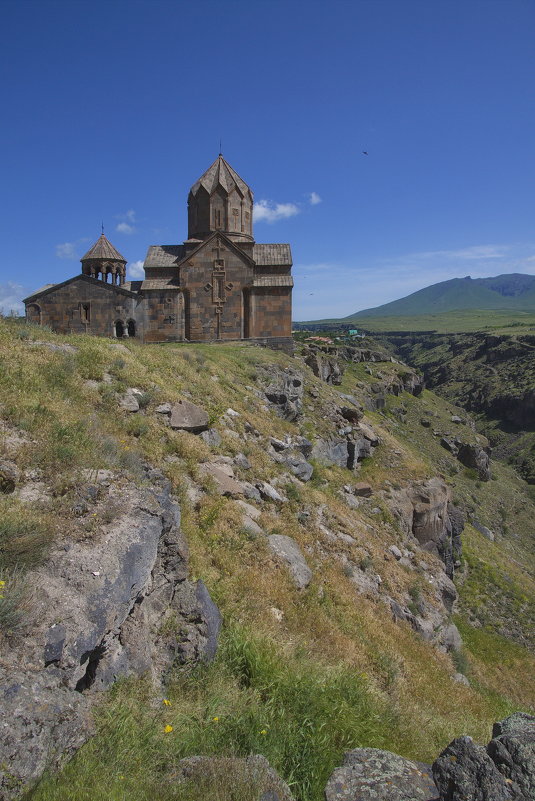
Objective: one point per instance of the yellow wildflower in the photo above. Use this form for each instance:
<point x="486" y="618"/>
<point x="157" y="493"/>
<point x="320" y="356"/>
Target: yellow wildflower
<point x="263" y="731"/>
<point x="168" y="729"/>
<point x="215" y="719"/>
<point x="166" y="702"/>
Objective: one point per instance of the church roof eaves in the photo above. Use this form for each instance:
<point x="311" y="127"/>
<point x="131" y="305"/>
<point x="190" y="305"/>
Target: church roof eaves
<point x="80" y="277"/>
<point x="163" y="255"/>
<point x="267" y="255"/>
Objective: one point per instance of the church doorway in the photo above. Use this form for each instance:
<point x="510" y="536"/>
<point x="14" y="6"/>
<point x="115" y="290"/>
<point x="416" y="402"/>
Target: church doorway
<point x="119" y="329"/>
<point x="131" y="328"/>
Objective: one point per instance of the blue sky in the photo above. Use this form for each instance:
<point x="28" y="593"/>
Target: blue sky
<point x="113" y="109"/>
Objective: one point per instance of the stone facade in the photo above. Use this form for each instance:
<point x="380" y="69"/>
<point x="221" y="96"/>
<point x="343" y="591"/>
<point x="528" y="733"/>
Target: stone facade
<point x="219" y="285"/>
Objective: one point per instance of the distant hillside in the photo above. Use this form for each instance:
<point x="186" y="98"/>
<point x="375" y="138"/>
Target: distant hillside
<point x="515" y="292"/>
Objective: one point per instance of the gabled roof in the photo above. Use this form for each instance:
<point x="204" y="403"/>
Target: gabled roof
<point x="87" y="278"/>
<point x="220" y="173"/>
<point x="163" y="255"/>
<point x="103" y="249"/>
<point x="270" y="255"/>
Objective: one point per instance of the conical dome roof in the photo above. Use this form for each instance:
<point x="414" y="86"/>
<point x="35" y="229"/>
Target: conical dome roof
<point x="220" y="173"/>
<point x="103" y="249"/>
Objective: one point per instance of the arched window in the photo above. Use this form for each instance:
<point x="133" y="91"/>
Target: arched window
<point x="131" y="328"/>
<point x="33" y="313"/>
<point x="119" y="329"/>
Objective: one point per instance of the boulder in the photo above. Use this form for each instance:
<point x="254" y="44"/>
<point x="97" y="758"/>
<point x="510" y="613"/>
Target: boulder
<point x="512" y="749"/>
<point x="325" y="367"/>
<point x="269" y="493"/>
<point x="299" y="466"/>
<point x="487" y="533"/>
<point x="369" y="774"/>
<point x="363" y="490"/>
<point x="249" y="777"/>
<point x="225" y="484"/>
<point x="187" y="416"/>
<point x="211" y="437"/>
<point x="477" y="458"/>
<point x="129" y="401"/>
<point x="465" y="772"/>
<point x="288" y="550"/>
<point x="9" y="476"/>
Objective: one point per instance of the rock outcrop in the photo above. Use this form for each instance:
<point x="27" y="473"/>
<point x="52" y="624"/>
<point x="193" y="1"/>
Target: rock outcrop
<point x="116" y="603"/>
<point x="285" y="393"/>
<point x="369" y="774"/>
<point x="253" y="776"/>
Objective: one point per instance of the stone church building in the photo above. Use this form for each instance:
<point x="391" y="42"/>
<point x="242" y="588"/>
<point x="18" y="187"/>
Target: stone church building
<point x="218" y="285"/>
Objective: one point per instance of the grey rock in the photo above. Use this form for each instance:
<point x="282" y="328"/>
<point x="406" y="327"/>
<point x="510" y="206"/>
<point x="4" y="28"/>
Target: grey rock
<point x="450" y="445"/>
<point x="288" y="550"/>
<point x="394" y="550"/>
<point x="465" y="772"/>
<point x="163" y="408"/>
<point x="269" y="493"/>
<point x="460" y="678"/>
<point x="285" y="394"/>
<point x="327" y="368"/>
<point x="278" y="444"/>
<point x="187" y="416"/>
<point x="129" y="401"/>
<point x="477" y="458"/>
<point x="211" y="437"/>
<point x="251" y="777"/>
<point x="53" y="346"/>
<point x="487" y="533"/>
<point x="450" y="638"/>
<point x="363" y="490"/>
<point x="250" y="491"/>
<point x="225" y="483"/>
<point x="249" y="510"/>
<point x="240" y="460"/>
<point x="351" y="413"/>
<point x="9" y="476"/>
<point x="512" y="750"/>
<point x="369" y="774"/>
<point x="299" y="466"/>
<point x="252" y="526"/>
<point x="126" y="608"/>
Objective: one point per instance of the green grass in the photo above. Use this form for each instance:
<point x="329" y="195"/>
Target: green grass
<point x="254" y="699"/>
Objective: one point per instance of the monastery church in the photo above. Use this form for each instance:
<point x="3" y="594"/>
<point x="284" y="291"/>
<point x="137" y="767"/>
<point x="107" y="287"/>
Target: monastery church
<point x="218" y="285"/>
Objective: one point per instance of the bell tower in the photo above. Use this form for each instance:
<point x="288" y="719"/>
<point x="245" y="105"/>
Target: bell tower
<point x="220" y="201"/>
<point x="104" y="261"/>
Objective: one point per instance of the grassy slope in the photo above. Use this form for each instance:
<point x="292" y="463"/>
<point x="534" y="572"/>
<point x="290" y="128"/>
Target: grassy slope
<point x="335" y="672"/>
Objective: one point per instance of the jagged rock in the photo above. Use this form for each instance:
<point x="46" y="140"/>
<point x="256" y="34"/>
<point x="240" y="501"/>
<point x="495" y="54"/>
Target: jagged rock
<point x="164" y="408"/>
<point x="130" y="401"/>
<point x="299" y="466"/>
<point x="465" y="772"/>
<point x="341" y="452"/>
<point x="211" y="437"/>
<point x="278" y="444"/>
<point x="9" y="475"/>
<point x="352" y="414"/>
<point x="112" y="605"/>
<point x="363" y="490"/>
<point x="450" y="445"/>
<point x="424" y="510"/>
<point x="512" y="750"/>
<point x="369" y="774"/>
<point x="286" y="394"/>
<point x="225" y="483"/>
<point x="487" y="533"/>
<point x="394" y="550"/>
<point x="289" y="551"/>
<point x="250" y="777"/>
<point x="249" y="510"/>
<point x="187" y="416"/>
<point x="240" y="460"/>
<point x="477" y="458"/>
<point x="325" y="367"/>
<point x="449" y="638"/>
<point x="369" y="434"/>
<point x="269" y="493"/>
<point x="250" y="491"/>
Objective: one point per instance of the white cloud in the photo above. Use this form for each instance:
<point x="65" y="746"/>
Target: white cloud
<point x="125" y="228"/>
<point x="11" y="295"/>
<point x="126" y="224"/>
<point x="469" y="254"/>
<point x="135" y="269"/>
<point x="67" y="250"/>
<point x="267" y="211"/>
<point x="314" y="199"/>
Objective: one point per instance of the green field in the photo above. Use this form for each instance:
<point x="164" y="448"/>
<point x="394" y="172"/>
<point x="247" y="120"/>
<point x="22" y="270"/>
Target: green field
<point x="453" y="322"/>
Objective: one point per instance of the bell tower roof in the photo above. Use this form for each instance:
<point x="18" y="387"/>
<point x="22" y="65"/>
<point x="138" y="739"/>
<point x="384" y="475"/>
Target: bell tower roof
<point x="103" y="249"/>
<point x="220" y="173"/>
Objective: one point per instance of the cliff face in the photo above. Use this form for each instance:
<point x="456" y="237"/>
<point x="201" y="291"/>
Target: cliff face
<point x="371" y="565"/>
<point x="489" y="375"/>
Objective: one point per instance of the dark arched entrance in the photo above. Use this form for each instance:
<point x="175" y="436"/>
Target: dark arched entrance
<point x="119" y="329"/>
<point x="131" y="328"/>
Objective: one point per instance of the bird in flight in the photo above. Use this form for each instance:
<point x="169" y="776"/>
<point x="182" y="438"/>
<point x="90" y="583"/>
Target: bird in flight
<point x="364" y="152"/>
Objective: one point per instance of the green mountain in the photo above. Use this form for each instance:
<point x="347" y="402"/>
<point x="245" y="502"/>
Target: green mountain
<point x="514" y="292"/>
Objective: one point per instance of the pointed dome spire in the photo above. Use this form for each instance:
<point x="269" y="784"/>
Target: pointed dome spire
<point x="220" y="201"/>
<point x="220" y="173"/>
<point x="103" y="249"/>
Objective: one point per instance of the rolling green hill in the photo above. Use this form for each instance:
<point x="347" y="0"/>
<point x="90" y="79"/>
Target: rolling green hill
<point x="515" y="292"/>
